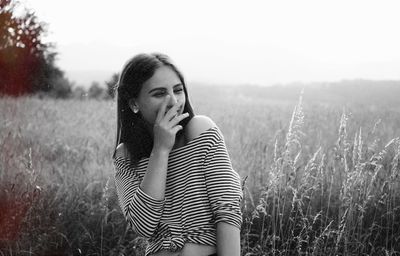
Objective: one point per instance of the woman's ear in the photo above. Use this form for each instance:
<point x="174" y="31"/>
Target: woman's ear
<point x="133" y="106"/>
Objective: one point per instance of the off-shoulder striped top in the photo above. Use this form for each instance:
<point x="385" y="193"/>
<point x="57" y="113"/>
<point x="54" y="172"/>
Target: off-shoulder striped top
<point x="202" y="189"/>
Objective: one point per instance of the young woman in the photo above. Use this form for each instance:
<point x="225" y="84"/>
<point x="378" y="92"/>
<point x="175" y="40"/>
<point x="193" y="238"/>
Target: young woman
<point x="174" y="178"/>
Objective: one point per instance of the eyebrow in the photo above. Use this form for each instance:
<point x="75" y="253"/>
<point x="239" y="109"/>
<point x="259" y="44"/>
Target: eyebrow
<point x="163" y="88"/>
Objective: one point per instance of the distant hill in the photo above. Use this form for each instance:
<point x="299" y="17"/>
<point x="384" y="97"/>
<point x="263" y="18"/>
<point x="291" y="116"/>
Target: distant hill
<point x="360" y="92"/>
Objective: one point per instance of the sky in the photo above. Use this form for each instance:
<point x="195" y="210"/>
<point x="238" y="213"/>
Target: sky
<point x="228" y="42"/>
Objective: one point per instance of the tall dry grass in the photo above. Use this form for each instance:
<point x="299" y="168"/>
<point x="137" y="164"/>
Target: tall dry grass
<point x="319" y="180"/>
<point x="343" y="200"/>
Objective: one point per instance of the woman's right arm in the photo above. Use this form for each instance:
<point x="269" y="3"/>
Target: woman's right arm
<point x="164" y="130"/>
<point x="142" y="201"/>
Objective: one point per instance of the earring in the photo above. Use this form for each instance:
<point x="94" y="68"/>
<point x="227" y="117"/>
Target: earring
<point x="135" y="110"/>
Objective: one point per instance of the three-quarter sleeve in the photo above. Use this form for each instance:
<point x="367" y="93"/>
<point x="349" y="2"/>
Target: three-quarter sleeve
<point x="142" y="212"/>
<point x="223" y="184"/>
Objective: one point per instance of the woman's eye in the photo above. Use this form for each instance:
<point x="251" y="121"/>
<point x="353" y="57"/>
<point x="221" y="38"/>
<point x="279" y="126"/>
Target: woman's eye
<point x="159" y="94"/>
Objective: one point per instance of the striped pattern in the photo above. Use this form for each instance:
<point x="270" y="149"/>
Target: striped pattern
<point x="202" y="189"/>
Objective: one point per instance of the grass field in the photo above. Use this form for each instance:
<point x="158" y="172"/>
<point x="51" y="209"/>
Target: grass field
<point x="320" y="177"/>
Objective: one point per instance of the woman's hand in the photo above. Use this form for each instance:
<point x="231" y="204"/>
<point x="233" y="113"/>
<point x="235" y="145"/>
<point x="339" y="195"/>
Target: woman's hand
<point x="166" y="126"/>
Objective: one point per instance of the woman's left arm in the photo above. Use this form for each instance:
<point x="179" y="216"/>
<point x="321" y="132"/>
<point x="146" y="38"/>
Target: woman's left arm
<point x="225" y="194"/>
<point x="228" y="239"/>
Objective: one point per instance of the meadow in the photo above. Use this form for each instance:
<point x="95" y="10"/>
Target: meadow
<point x="320" y="173"/>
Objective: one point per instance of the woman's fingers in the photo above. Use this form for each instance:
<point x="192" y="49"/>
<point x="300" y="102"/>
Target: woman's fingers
<point x="175" y="120"/>
<point x="167" y="124"/>
<point x="176" y="129"/>
<point x="161" y="112"/>
<point x="172" y="112"/>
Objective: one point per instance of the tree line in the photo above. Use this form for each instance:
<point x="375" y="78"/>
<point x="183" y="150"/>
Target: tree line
<point x="27" y="63"/>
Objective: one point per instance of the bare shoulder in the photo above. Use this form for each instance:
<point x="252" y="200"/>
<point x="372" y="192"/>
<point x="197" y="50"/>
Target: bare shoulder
<point x="197" y="125"/>
<point x="122" y="151"/>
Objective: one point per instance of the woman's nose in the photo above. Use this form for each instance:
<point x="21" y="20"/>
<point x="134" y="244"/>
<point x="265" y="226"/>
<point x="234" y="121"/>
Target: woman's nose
<point x="172" y="100"/>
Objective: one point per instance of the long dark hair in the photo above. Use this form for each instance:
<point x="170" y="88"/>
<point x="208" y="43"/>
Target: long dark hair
<point x="131" y="128"/>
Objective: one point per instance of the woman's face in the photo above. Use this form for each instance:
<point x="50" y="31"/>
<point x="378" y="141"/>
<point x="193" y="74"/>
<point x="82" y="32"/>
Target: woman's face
<point x="163" y="82"/>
